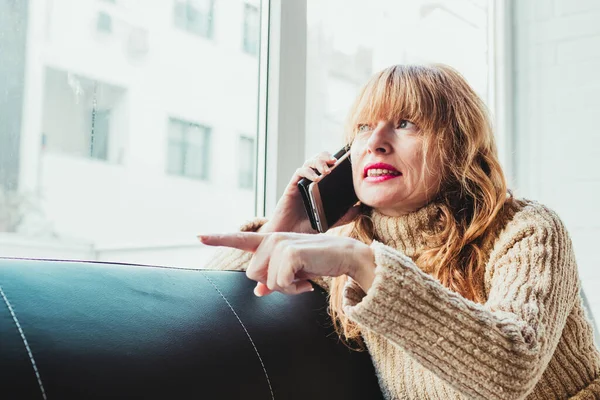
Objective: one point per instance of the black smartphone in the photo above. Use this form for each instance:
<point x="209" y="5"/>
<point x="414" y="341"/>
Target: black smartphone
<point x="327" y="200"/>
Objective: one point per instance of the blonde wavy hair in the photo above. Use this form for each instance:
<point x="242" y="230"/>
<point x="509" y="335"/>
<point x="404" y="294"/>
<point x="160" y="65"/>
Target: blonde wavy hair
<point x="456" y="131"/>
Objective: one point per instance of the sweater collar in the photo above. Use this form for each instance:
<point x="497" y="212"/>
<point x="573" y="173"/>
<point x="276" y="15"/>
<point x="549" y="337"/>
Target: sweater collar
<point x="409" y="233"/>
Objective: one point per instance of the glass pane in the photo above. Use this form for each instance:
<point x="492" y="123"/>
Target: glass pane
<point x="195" y="16"/>
<point x="251" y="28"/>
<point x="196" y="134"/>
<point x="177" y="129"/>
<point x="180" y="14"/>
<point x="196" y="154"/>
<point x="109" y="114"/>
<point x="246" y="162"/>
<point x="100" y="127"/>
<point x="175" y="157"/>
<point x="348" y="42"/>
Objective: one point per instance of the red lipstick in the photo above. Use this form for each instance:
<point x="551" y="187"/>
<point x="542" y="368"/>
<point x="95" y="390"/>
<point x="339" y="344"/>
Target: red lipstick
<point x="380" y="178"/>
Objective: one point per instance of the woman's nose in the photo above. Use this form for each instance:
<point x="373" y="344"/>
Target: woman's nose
<point x="379" y="141"/>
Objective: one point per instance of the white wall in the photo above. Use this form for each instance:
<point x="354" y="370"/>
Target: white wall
<point x="557" y="134"/>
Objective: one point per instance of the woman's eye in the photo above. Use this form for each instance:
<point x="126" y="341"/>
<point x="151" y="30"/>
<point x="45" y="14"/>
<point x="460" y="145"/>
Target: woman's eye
<point x="363" y="128"/>
<point x="405" y="124"/>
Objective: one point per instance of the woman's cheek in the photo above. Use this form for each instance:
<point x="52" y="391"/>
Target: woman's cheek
<point x="356" y="172"/>
<point x="358" y="188"/>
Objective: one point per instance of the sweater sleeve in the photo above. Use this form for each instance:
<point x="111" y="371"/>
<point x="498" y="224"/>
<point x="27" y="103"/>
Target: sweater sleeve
<point x="496" y="350"/>
<point x="228" y="259"/>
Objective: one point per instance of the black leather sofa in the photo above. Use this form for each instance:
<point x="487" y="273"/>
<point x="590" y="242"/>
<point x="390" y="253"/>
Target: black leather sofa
<point x="98" y="330"/>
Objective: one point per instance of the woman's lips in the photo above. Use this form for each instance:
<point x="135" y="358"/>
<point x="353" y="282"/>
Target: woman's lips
<point x="379" y="165"/>
<point x="380" y="172"/>
<point x="381" y="178"/>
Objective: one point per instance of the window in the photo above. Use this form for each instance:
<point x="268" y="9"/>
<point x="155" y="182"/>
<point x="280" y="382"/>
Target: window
<point x="188" y="153"/>
<point x="87" y="141"/>
<point x="104" y="23"/>
<point x="99" y="134"/>
<point x="83" y="117"/>
<point x="195" y="16"/>
<point x="86" y="138"/>
<point x="247" y="152"/>
<point x="251" y="29"/>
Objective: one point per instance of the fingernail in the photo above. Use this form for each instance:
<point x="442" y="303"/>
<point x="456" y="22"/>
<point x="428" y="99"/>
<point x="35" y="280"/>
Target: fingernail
<point x="256" y="293"/>
<point x="201" y="238"/>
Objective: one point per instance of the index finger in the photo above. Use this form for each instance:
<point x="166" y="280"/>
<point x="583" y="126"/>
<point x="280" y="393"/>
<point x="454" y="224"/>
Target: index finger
<point x="247" y="241"/>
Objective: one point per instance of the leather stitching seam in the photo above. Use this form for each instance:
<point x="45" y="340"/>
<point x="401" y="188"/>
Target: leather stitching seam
<point x="247" y="334"/>
<point x="18" y="325"/>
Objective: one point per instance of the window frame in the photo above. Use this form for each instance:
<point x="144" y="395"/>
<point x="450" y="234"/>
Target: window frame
<point x="501" y="83"/>
<point x="282" y="97"/>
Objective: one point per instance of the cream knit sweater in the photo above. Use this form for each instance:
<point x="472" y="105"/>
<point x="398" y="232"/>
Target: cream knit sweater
<point x="530" y="339"/>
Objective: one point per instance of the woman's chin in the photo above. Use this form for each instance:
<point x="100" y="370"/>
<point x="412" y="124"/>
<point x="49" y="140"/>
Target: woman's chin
<point x="387" y="203"/>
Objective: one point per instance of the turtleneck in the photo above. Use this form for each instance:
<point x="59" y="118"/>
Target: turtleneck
<point x="409" y="233"/>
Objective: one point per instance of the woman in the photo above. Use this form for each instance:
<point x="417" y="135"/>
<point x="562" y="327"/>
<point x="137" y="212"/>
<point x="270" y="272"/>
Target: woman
<point x="458" y="289"/>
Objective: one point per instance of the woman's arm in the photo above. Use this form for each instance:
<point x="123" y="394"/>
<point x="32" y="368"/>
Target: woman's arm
<point x="497" y="350"/>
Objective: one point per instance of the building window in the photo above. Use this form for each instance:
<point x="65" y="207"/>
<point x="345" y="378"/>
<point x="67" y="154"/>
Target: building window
<point x="195" y="16"/>
<point x="251" y="29"/>
<point x="99" y="134"/>
<point x="189" y="145"/>
<point x="84" y="117"/>
<point x="247" y="152"/>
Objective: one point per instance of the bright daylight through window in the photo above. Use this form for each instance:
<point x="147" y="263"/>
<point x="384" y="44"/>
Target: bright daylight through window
<point x="118" y="142"/>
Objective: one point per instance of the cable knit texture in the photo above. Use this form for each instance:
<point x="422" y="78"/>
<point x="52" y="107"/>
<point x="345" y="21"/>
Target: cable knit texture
<point x="530" y="339"/>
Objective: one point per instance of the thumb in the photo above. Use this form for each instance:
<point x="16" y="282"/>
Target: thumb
<point x="262" y="290"/>
<point x="298" y="288"/>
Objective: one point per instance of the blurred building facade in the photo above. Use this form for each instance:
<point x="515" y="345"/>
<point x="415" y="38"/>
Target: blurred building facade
<point x="137" y="128"/>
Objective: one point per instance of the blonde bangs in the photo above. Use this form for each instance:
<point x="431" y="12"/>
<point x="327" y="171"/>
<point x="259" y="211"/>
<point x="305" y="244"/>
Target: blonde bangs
<point x="397" y="93"/>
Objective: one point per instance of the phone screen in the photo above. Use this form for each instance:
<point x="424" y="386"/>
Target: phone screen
<point x="337" y="192"/>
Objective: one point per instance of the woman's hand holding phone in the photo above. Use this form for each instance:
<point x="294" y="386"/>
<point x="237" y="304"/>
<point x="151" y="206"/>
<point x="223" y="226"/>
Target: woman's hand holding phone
<point x="289" y="214"/>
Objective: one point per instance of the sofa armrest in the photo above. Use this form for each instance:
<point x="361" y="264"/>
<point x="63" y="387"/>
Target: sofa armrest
<point x="101" y="330"/>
